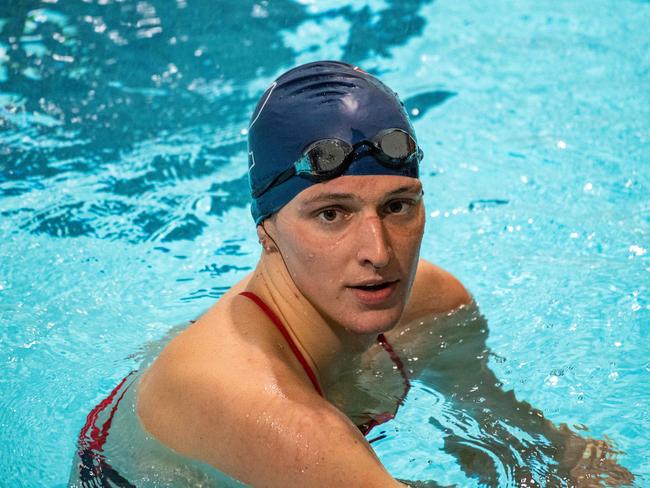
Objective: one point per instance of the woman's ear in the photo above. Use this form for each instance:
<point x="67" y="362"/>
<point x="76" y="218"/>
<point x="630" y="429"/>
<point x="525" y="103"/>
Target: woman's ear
<point x="267" y="242"/>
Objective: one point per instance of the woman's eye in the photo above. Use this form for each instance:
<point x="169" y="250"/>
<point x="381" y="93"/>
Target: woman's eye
<point x="329" y="214"/>
<point x="398" y="207"/>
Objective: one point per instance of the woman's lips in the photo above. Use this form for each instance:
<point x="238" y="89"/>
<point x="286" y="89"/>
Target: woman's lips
<point x="375" y="294"/>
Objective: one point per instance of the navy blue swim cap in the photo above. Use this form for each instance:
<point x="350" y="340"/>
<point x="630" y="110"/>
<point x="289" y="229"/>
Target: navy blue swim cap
<point x="325" y="99"/>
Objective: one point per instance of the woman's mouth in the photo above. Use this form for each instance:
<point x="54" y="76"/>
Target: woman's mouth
<point x="374" y="293"/>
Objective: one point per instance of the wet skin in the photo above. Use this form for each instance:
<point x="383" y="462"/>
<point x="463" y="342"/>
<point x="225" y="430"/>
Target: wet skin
<point x="352" y="248"/>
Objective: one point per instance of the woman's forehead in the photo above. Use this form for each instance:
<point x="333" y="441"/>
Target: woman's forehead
<point x="358" y="187"/>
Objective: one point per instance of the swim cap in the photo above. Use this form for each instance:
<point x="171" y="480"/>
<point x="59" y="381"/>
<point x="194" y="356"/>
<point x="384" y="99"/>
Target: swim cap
<point x="314" y="101"/>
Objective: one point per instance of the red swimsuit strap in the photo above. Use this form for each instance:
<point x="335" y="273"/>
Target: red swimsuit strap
<point x="283" y="330"/>
<point x="385" y="417"/>
<point x="381" y="338"/>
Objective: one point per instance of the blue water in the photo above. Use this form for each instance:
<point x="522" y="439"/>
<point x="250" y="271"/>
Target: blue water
<point x="124" y="208"/>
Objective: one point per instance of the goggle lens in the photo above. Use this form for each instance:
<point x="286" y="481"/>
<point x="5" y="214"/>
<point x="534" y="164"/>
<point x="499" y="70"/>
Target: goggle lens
<point x="328" y="155"/>
<point x="397" y="144"/>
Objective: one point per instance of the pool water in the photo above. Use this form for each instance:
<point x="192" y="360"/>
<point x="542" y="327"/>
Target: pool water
<point x="124" y="207"/>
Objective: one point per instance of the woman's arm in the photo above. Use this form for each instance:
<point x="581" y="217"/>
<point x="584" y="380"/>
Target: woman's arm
<point x="453" y="360"/>
<point x="448" y="335"/>
<point x="265" y="428"/>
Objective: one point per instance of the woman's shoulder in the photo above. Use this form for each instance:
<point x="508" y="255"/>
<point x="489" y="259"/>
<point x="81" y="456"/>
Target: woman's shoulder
<point x="435" y="290"/>
<point x="203" y="376"/>
<point x="231" y="349"/>
<point x="225" y="341"/>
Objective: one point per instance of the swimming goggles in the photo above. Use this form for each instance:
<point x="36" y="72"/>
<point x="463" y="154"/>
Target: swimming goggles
<point x="328" y="158"/>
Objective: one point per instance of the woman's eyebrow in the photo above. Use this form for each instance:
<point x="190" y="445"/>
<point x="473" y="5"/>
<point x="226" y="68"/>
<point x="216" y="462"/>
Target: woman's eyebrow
<point x="405" y="189"/>
<point x="337" y="197"/>
<point x="329" y="197"/>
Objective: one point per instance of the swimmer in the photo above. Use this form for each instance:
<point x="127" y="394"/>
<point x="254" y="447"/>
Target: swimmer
<point x="275" y="385"/>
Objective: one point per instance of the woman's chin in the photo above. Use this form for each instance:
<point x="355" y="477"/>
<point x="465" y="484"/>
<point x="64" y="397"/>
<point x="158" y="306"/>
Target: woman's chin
<point x="372" y="322"/>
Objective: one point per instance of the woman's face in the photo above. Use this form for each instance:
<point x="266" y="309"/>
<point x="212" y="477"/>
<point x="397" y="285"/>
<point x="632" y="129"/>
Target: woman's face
<point x="351" y="245"/>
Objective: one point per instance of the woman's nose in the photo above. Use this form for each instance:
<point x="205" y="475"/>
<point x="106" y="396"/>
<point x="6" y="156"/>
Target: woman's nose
<point x="373" y="243"/>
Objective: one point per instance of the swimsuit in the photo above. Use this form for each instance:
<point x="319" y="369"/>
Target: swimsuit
<point x="95" y="470"/>
<point x="376" y="419"/>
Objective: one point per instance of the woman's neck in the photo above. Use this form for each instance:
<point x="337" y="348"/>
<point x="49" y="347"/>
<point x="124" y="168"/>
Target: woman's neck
<point x="328" y="346"/>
